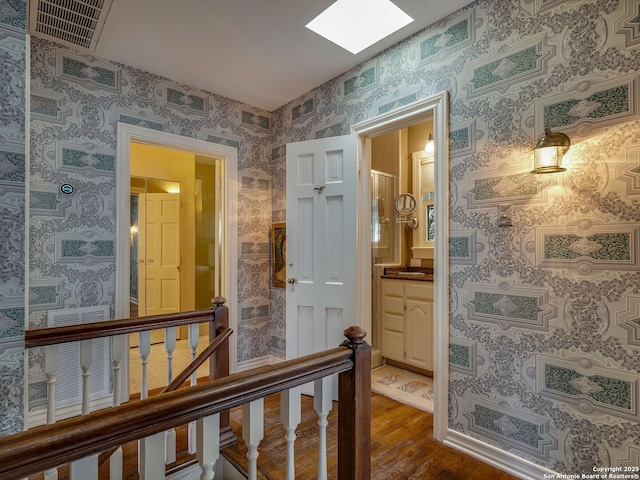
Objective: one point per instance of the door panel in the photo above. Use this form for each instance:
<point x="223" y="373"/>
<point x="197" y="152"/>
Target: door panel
<point x="321" y="243"/>
<point x="162" y="253"/>
<point x="334" y="244"/>
<point x="305" y="235"/>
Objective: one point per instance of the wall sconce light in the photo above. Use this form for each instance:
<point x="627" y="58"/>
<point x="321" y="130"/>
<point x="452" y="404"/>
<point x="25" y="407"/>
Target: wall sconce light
<point x="430" y="146"/>
<point x="548" y="152"/>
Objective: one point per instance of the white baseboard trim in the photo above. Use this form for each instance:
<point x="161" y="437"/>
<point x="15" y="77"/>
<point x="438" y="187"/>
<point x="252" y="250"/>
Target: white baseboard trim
<point x="223" y="469"/>
<point x="38" y="417"/>
<point x="516" y="466"/>
<point x="254" y="363"/>
<point x="192" y="472"/>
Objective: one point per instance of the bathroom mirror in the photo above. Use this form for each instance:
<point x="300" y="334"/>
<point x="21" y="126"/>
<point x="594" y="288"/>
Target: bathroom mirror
<point x="405" y="204"/>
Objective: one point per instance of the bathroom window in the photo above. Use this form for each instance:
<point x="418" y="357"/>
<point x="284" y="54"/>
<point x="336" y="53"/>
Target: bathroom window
<point x="430" y="221"/>
<point x="423" y="188"/>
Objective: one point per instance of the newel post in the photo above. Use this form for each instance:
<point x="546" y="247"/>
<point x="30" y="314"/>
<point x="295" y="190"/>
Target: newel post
<point x="219" y="367"/>
<point x="354" y="410"/>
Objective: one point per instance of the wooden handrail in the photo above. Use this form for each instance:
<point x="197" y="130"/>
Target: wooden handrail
<point x="46" y="447"/>
<point x="217" y="317"/>
<point x="184" y="375"/>
<point x="190" y="369"/>
<point x="39" y="337"/>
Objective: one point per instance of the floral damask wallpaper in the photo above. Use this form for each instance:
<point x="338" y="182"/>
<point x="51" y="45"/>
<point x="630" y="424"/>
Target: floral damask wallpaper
<point x="12" y="215"/>
<point x="545" y="315"/>
<point x="76" y="102"/>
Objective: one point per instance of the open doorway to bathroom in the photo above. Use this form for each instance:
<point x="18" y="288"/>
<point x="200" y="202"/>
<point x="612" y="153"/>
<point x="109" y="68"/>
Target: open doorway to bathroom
<point x="402" y="265"/>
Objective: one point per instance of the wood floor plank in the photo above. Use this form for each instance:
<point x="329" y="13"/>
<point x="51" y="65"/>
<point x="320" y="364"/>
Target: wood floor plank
<point x="402" y="446"/>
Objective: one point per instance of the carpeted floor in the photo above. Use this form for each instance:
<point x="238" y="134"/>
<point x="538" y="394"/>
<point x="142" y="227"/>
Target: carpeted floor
<point x="157" y="364"/>
<point x="403" y="386"/>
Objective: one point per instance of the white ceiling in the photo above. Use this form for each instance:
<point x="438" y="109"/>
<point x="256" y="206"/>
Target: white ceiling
<point x="255" y="51"/>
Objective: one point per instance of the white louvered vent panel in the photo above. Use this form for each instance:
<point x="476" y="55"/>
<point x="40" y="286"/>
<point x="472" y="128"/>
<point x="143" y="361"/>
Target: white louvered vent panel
<point x="69" y="379"/>
<point x="72" y="22"/>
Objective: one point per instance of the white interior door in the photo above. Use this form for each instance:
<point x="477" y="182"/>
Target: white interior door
<point x="321" y="243"/>
<point x="162" y="253"/>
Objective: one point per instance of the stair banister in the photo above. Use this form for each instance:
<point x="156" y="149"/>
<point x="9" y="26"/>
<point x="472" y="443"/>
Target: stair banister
<point x="37" y="450"/>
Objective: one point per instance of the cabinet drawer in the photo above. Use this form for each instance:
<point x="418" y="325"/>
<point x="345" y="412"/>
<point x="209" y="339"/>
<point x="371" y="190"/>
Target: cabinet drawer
<point x="394" y="305"/>
<point x="393" y="287"/>
<point x="420" y="290"/>
<point x="393" y="322"/>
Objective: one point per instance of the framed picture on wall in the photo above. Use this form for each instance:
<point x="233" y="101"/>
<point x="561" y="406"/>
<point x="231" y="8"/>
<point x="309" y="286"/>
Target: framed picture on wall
<point x="278" y="254"/>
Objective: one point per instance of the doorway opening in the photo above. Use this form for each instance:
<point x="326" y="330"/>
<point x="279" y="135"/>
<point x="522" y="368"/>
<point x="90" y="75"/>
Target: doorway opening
<point x="402" y="304"/>
<point x="435" y="109"/>
<point x="192" y="196"/>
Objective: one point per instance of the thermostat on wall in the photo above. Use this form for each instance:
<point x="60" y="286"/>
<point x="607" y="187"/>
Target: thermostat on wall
<point x="66" y="189"/>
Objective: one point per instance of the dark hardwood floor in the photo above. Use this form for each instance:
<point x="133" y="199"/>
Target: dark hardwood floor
<point x="402" y="447"/>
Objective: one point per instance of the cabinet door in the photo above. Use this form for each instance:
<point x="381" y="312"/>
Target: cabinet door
<point x="393" y="344"/>
<point x="418" y="336"/>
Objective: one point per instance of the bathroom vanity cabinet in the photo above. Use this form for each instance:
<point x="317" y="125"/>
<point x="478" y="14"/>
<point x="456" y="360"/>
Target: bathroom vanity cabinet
<point x="407" y="322"/>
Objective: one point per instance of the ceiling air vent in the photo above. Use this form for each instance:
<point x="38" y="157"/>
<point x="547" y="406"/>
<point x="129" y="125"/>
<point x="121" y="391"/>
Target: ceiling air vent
<point x="76" y="23"/>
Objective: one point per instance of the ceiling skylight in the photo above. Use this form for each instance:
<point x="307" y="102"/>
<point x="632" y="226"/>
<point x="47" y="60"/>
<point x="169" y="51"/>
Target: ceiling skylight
<point x="357" y="24"/>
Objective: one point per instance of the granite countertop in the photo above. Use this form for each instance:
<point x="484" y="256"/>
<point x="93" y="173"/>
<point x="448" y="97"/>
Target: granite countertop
<point x="422" y="274"/>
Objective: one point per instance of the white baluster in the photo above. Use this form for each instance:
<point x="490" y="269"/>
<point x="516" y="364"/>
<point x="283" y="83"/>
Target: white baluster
<point x="208" y="444"/>
<point x="170" y="435"/>
<point x="117" y="350"/>
<point x="170" y="346"/>
<point x="115" y="465"/>
<point x="51" y="370"/>
<point x="253" y="432"/>
<point x="85" y="365"/>
<point x="151" y="450"/>
<point x="144" y="349"/>
<point x="290" y="417"/>
<point x="84" y="469"/>
<point x="322" y="397"/>
<point x="194" y="339"/>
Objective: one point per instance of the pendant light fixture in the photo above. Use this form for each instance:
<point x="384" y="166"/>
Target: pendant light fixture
<point x="430" y="146"/>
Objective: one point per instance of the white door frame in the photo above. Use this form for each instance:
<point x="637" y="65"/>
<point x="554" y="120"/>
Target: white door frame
<point x="126" y="134"/>
<point x="436" y="107"/>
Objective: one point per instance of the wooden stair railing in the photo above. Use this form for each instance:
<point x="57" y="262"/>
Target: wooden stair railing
<point x="183" y="376"/>
<point x="190" y="369"/>
<point x="39" y="337"/>
<point x="217" y="317"/>
<point x="46" y="447"/>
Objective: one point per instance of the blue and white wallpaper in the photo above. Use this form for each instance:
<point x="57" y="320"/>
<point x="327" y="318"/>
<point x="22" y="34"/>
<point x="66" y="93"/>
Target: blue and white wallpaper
<point x="12" y="214"/>
<point x="545" y="315"/>
<point x="76" y="102"/>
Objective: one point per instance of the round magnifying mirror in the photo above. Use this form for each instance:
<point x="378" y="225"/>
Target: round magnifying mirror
<point x="405" y="204"/>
